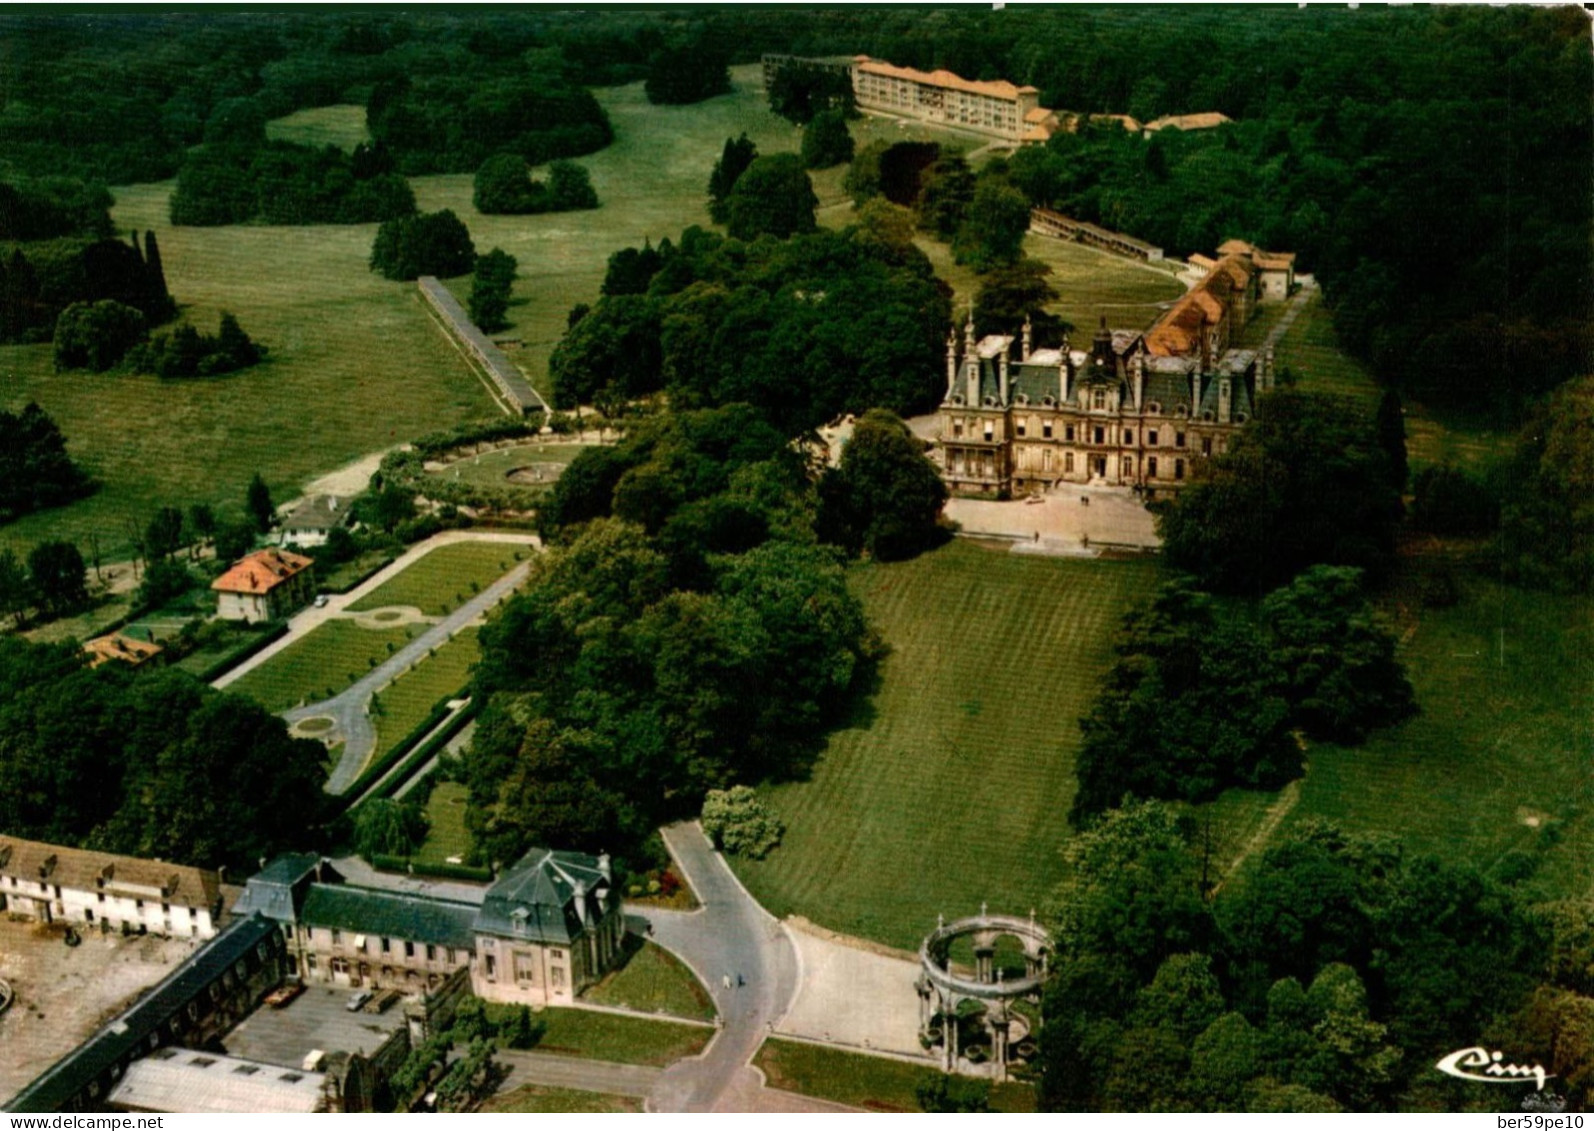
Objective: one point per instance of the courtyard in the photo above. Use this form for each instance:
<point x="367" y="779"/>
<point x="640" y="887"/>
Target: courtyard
<point x="63" y="994"/>
<point x="320" y="1019"/>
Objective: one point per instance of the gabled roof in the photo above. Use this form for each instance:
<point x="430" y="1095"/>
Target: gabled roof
<point x="537" y="898"/>
<point x="35" y="862"/>
<point x="271" y="891"/>
<point x="390" y="914"/>
<point x="319" y="512"/>
<point x="261" y="572"/>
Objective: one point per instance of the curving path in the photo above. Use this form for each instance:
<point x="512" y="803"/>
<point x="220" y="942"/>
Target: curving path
<point x="730" y="934"/>
<point x="348" y="710"/>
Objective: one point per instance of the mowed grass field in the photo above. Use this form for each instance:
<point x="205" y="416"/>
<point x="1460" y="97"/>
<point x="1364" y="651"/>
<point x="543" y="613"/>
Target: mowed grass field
<point x="652" y="183"/>
<point x="875" y="1083"/>
<point x="445" y="578"/>
<point x="954" y="787"/>
<point x="319" y="665"/>
<point x="342" y="126"/>
<point x="355" y="366"/>
<point x="653" y="981"/>
<point x="1311" y="349"/>
<point x="446" y="834"/>
<point x="1498" y="762"/>
<point x="490" y="469"/>
<point x="403" y="705"/>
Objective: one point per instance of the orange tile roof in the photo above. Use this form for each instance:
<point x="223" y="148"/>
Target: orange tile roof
<point x="261" y="572"/>
<point x="1202" y="121"/>
<point x="998" y="88"/>
<point x="1178" y="332"/>
<point x="1274" y="260"/>
<point x="1235" y="247"/>
<point x="117" y="646"/>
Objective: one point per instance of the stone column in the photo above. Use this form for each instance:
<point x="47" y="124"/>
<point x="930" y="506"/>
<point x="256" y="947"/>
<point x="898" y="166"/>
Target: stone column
<point x="998" y="1028"/>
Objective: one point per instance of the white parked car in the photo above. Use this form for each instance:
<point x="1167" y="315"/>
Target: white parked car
<point x="321" y="600"/>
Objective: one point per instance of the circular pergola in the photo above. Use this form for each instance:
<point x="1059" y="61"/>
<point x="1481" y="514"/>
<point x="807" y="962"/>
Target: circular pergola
<point x="942" y="990"/>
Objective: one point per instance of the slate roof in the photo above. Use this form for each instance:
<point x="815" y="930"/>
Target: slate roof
<point x="389" y="914"/>
<point x="319" y="512"/>
<point x="59" y="1085"/>
<point x="33" y="861"/>
<point x="270" y="891"/>
<point x="536" y="899"/>
<point x="262" y="571"/>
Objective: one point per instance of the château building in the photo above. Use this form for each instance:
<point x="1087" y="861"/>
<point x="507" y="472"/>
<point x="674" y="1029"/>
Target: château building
<point x="1137" y="409"/>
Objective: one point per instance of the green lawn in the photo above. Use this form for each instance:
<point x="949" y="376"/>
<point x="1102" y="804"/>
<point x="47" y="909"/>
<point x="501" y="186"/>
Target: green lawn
<point x="342" y="126"/>
<point x="405" y="703"/>
<point x="446" y="834"/>
<point x="653" y="981"/>
<point x="355" y="366"/>
<point x="490" y="469"/>
<point x="1498" y="761"/>
<point x="1311" y="349"/>
<point x="320" y="664"/>
<point x="544" y="1100"/>
<point x="873" y="1082"/>
<point x="610" y="1036"/>
<point x="442" y="580"/>
<point x="953" y="787"/>
<point x="652" y="182"/>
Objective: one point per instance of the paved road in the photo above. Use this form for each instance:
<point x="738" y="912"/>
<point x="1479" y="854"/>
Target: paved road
<point x="572" y="1072"/>
<point x="731" y="934"/>
<point x="307" y="620"/>
<point x="349" y="709"/>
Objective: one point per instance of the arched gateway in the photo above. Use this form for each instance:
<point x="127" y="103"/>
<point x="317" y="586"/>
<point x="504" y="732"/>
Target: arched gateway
<point x="947" y="999"/>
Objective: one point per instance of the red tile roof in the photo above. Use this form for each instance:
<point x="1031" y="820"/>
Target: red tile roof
<point x="945" y="79"/>
<point x="261" y="572"/>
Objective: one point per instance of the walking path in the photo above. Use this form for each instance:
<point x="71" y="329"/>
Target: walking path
<point x="729" y="935"/>
<point x="349" y="710"/>
<point x="351" y="724"/>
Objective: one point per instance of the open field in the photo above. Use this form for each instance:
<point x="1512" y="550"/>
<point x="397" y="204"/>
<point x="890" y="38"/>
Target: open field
<point x="446" y="834"/>
<point x="953" y="786"/>
<point x="652" y="182"/>
<point x="544" y="1100"/>
<point x="403" y="705"/>
<point x="1498" y="761"/>
<point x="342" y="126"/>
<point x="355" y="365"/>
<point x="653" y="981"/>
<point x="871" y="1082"/>
<point x="320" y="664"/>
<point x="1311" y="349"/>
<point x="445" y="578"/>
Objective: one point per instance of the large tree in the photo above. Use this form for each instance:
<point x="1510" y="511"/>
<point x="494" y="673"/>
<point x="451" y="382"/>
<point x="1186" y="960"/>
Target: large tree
<point x="58" y="575"/>
<point x="432" y="243"/>
<point x="773" y="197"/>
<point x="826" y="141"/>
<point x="1305" y="482"/>
<point x="884" y="497"/>
<point x="734" y="159"/>
<point x="687" y="73"/>
<point x="1192" y="706"/>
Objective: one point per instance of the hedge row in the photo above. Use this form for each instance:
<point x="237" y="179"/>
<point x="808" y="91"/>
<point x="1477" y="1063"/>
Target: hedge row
<point x="391" y="756"/>
<point x="436" y="443"/>
<point x="383" y="863"/>
<point x="224" y="665"/>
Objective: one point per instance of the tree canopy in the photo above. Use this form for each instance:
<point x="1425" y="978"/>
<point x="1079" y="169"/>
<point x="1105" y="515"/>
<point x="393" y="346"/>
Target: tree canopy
<point x="432" y="243"/>
<point x="36" y="472"/>
<point x="1305" y="482"/>
<point x="773" y="197"/>
<point x="884" y="497"/>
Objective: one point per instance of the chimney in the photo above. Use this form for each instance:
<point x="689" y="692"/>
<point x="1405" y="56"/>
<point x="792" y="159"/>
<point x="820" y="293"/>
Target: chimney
<point x="1137" y="367"/>
<point x="581" y="902"/>
<point x="1195" y="392"/>
<point x="971" y="375"/>
<point x="951" y="363"/>
<point x="1225" y="399"/>
<point x="603" y="866"/>
<point x="1028" y="336"/>
<point x="1002" y="376"/>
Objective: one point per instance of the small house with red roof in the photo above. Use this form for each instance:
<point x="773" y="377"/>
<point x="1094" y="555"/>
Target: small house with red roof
<point x="266" y="585"/>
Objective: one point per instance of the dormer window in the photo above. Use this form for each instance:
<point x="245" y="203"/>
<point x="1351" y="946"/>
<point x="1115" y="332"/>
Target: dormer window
<point x="1154" y="408"/>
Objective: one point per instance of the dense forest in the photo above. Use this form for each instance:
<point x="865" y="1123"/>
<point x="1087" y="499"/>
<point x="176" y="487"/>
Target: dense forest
<point x="1431" y="166"/>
